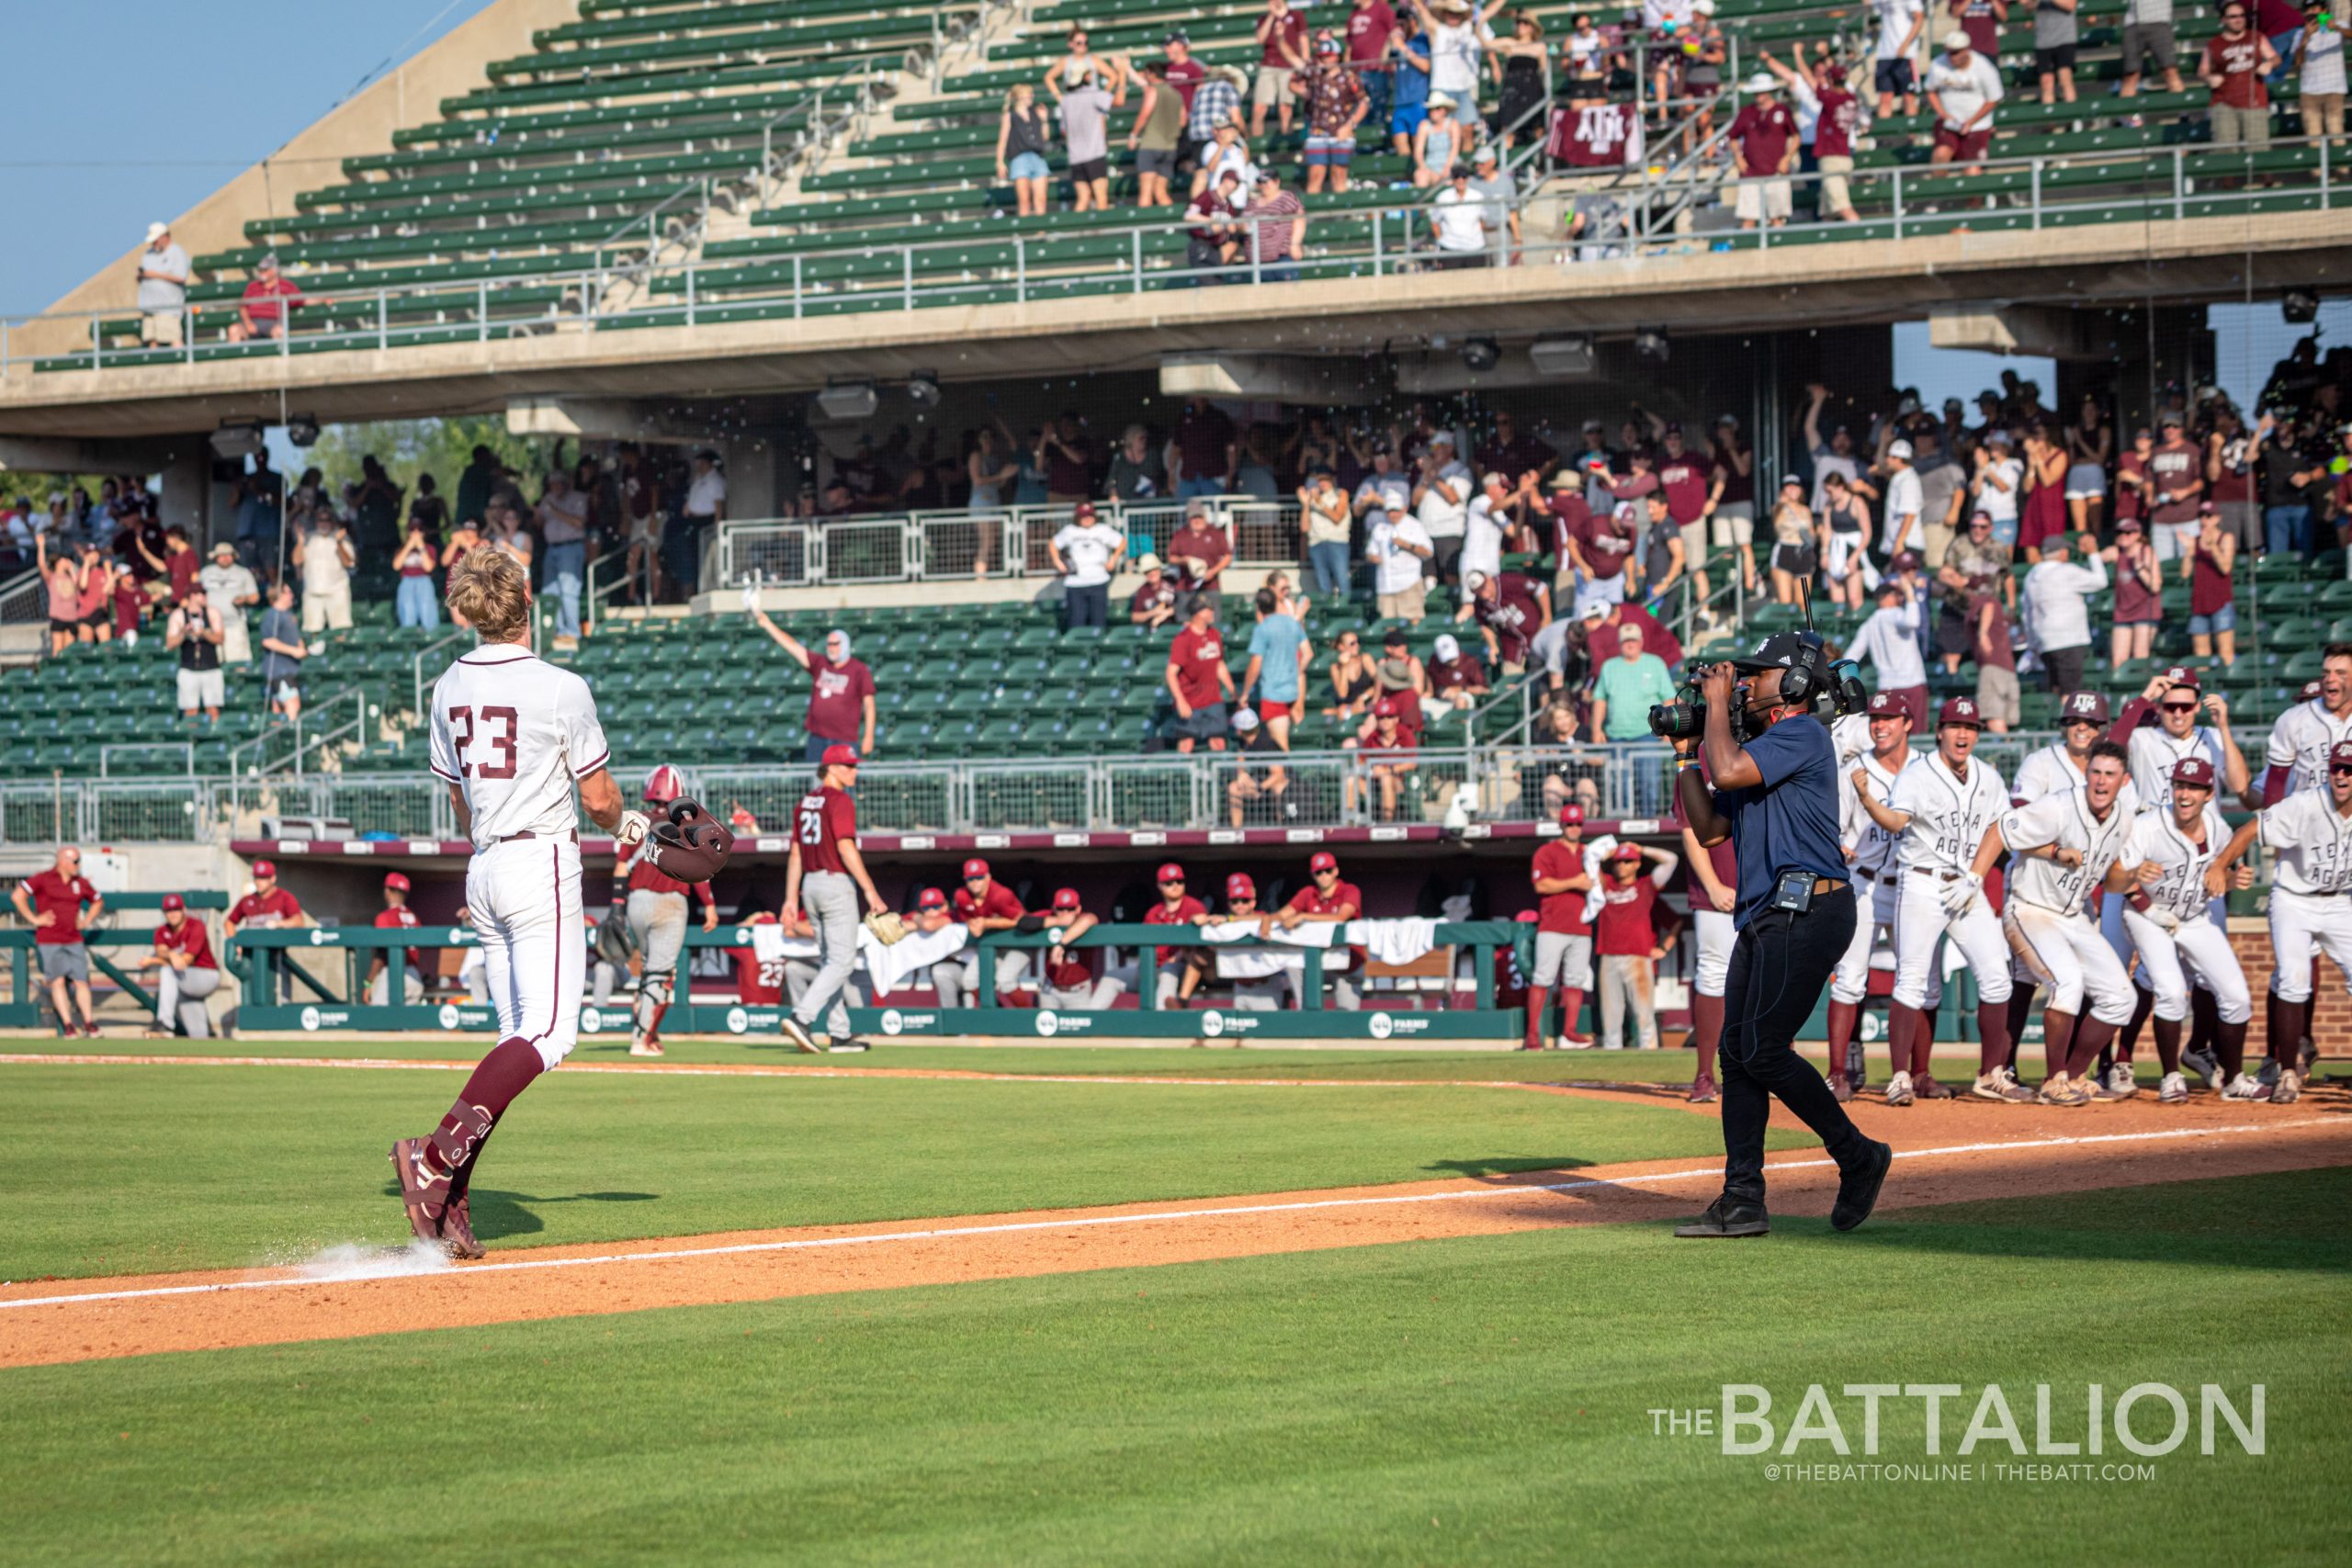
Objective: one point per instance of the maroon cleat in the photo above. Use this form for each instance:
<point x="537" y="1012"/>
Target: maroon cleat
<point x="424" y="1191"/>
<point x="1703" y="1091"/>
<point x="1929" y="1088"/>
<point x="458" y="1229"/>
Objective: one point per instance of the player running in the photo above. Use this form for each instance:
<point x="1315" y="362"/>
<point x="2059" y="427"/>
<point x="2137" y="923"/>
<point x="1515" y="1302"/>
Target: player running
<point x="1870" y="850"/>
<point x="511" y="737"/>
<point x="2063" y="845"/>
<point x="1942" y="806"/>
<point x="2167" y="872"/>
<point x="655" y="912"/>
<point x="2311" y="832"/>
<point x="825" y="860"/>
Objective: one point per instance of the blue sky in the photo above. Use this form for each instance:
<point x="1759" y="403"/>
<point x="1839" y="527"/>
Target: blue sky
<point x="104" y="135"/>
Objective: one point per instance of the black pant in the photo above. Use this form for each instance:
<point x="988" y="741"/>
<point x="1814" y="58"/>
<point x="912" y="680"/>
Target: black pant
<point x="1444" y="554"/>
<point x="1780" y="967"/>
<point x="1088" y="606"/>
<point x="2063" y="666"/>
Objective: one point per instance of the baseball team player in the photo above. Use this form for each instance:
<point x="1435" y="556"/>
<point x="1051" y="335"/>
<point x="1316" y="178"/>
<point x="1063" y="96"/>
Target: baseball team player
<point x="511" y="736"/>
<point x="984" y="905"/>
<point x="1940" y="807"/>
<point x="2064" y="764"/>
<point x="2311" y="907"/>
<point x="2168" y="874"/>
<point x="185" y="973"/>
<point x="2063" y="845"/>
<point x="1563" y="935"/>
<point x="1178" y="975"/>
<point x="654" y="907"/>
<point x="826" y="863"/>
<point x="1331" y="900"/>
<point x="396" y="915"/>
<point x="1871" y="851"/>
<point x="2177" y="734"/>
<point x="1071" y="983"/>
<point x="2304" y="734"/>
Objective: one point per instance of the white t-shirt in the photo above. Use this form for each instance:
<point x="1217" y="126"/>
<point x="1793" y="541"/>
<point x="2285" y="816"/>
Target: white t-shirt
<point x="2064" y="820"/>
<point x="2181" y="888"/>
<point x="1999" y="501"/>
<point x="514" y="732"/>
<point x="1962" y="90"/>
<point x="2055" y="593"/>
<point x="1394" y="570"/>
<point x="2323" y="62"/>
<point x="1949" y="815"/>
<point x="1890" y="639"/>
<point x="1482" y="539"/>
<point x="1445" y="519"/>
<point x="2312" y="842"/>
<point x="163" y="293"/>
<point x="1904" y="500"/>
<point x="1895" y="19"/>
<point x="1461" y="220"/>
<point x="1088" y="551"/>
<point x="1454" y="55"/>
<point x="2301" y="741"/>
<point x="704" y="496"/>
<point x="322" y="567"/>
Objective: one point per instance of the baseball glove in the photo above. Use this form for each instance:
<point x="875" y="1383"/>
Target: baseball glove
<point x="888" y="927"/>
<point x="613" y="942"/>
<point x="688" y="843"/>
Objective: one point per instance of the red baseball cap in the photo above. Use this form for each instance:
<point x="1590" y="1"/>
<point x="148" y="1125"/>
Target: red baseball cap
<point x="2340" y="754"/>
<point x="841" y="756"/>
<point x="1572" y="815"/>
<point x="395" y="883"/>
<point x="2195" y="771"/>
<point x="264" y="870"/>
<point x="2182" y="675"/>
<point x="1627" y="852"/>
<point x="1527" y="916"/>
<point x="1083" y="513"/>
<point x="1887" y="704"/>
<point x="1065" y="898"/>
<point x="931" y="898"/>
<point x="1386" y="708"/>
<point x="975" y="867"/>
<point x="1960" y="710"/>
<point x="1323" y="861"/>
<point x="2082" y="705"/>
<point x="1172" y="871"/>
<point x="1238" y="886"/>
<point x="174" y="901"/>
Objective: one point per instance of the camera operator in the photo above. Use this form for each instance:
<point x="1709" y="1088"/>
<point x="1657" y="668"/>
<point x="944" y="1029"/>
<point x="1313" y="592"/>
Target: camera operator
<point x="1775" y="797"/>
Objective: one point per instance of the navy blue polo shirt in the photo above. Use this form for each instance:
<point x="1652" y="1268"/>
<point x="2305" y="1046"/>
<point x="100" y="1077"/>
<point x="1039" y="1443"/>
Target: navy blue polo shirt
<point x="1790" y="821"/>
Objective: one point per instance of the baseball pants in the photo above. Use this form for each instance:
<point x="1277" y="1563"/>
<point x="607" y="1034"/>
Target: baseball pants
<point x="2301" y="924"/>
<point x="799" y="973"/>
<point x="525" y="899"/>
<point x="1922" y="926"/>
<point x="179" y="999"/>
<point x="958" y="981"/>
<point x="1875" y="901"/>
<point x="2204" y="949"/>
<point x="1627" y="978"/>
<point x="831" y="899"/>
<point x="1715" y="939"/>
<point x="473" y="973"/>
<point x="1562" y="959"/>
<point x="657" y="924"/>
<point x="1096" y="997"/>
<point x="380" y="989"/>
<point x="2068" y="957"/>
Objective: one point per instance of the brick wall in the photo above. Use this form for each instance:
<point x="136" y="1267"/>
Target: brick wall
<point x="2331" y="1020"/>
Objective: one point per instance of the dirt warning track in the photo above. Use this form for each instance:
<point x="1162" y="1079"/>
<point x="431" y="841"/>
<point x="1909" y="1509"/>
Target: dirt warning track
<point x="51" y="1322"/>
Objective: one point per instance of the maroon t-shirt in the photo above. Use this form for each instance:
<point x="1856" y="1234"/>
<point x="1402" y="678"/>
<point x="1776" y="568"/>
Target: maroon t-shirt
<point x="2237" y="62"/>
<point x="1186" y="76"/>
<point x="2209" y="585"/>
<point x="1203" y="550"/>
<point x="1833" y="135"/>
<point x="1368" y="30"/>
<point x="1447" y="674"/>
<point x="1197" y="657"/>
<point x="1066" y="475"/>
<point x="182" y="564"/>
<point x="1291" y="30"/>
<point x="2129" y="502"/>
<point x="2135" y="601"/>
<point x="1764" y="132"/>
<point x="837" y="699"/>
<point x="1512" y="614"/>
<point x="1684" y="479"/>
<point x="1202" y="436"/>
<point x="2173" y="467"/>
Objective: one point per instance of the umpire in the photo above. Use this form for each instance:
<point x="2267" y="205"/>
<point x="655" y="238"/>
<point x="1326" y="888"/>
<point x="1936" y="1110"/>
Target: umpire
<point x="1775" y="797"/>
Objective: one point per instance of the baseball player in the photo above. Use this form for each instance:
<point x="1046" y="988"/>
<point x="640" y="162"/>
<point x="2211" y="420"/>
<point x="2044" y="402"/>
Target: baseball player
<point x="2154" y="749"/>
<point x="825" y="857"/>
<point x="983" y="905"/>
<point x="396" y="915"/>
<point x="2305" y="733"/>
<point x="1563" y="935"/>
<point x="1940" y="807"/>
<point x="2310" y="909"/>
<point x="800" y="973"/>
<point x="2166" y="875"/>
<point x="1326" y="899"/>
<point x="1712" y="877"/>
<point x="185" y="973"/>
<point x="1871" y="851"/>
<point x="510" y="736"/>
<point x="2063" y="845"/>
<point x="2064" y="764"/>
<point x="1071" y="984"/>
<point x="654" y="909"/>
<point x="1178" y="973"/>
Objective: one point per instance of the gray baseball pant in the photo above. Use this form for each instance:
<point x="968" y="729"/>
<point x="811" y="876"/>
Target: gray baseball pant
<point x="831" y="900"/>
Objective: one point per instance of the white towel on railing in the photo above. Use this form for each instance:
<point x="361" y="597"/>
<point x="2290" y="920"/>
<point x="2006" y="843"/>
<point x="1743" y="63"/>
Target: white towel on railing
<point x="1248" y="963"/>
<point x="769" y="944"/>
<point x="912" y="953"/>
<point x="1394" y="942"/>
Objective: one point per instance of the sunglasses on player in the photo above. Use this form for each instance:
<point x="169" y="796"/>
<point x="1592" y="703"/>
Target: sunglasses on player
<point x="2180" y="707"/>
<point x="1172" y="882"/>
<point x="2337" y="770"/>
<point x="1327" y="871"/>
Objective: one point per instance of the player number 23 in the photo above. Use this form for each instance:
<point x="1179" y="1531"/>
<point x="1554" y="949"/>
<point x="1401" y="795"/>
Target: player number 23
<point x="813" y="825"/>
<point x="461" y="740"/>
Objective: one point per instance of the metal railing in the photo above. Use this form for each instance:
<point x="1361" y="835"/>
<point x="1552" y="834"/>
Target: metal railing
<point x="306" y="743"/>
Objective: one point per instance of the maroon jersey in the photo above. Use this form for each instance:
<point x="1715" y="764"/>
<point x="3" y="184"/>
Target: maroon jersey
<point x="402" y="918"/>
<point x="1512" y="614"/>
<point x="1182" y="913"/>
<point x="189" y="939"/>
<point x="1684" y="479"/>
<point x="644" y="877"/>
<point x="823" y="819"/>
<point x="1626" y="924"/>
<point x="997" y="903"/>
<point x="1560" y="912"/>
<point x="757" y="982"/>
<point x="264" y="911"/>
<point x="1597" y="136"/>
<point x="61" y="896"/>
<point x="1310" y="900"/>
<point x="1076" y="967"/>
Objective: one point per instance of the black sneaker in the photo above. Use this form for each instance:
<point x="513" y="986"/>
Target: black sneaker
<point x="1858" y="1186"/>
<point x="1728" y="1217"/>
<point x="843" y="1042"/>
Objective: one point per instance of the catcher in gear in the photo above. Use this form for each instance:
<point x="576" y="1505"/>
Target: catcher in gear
<point x="650" y="916"/>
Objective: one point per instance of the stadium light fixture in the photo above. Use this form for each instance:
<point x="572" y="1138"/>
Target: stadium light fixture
<point x="1650" y="343"/>
<point x="302" y="429"/>
<point x="1562" y="356"/>
<point x="1480" y="355"/>
<point x="236" y="440"/>
<point x="922" y="388"/>
<point x="849" y="403"/>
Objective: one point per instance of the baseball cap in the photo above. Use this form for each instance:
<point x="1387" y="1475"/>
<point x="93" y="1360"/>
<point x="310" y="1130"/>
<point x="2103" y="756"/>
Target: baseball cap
<point x="1386" y="708"/>
<point x="1888" y="705"/>
<point x="156" y="231"/>
<point x="931" y="898"/>
<point x="2091" y="705"/>
<point x="1960" y="710"/>
<point x="1627" y="852"/>
<point x="1484" y="154"/>
<point x="1327" y="44"/>
<point x="1243" y="719"/>
<point x="1323" y="861"/>
<point x="1906" y="560"/>
<point x="264" y="870"/>
<point x="1779" y="651"/>
<point x="1898" y="448"/>
<point x="2171" y="422"/>
<point x="1572" y="815"/>
<point x="2340" y="754"/>
<point x="1474" y="580"/>
<point x="1065" y="898"/>
<point x="174" y="901"/>
<point x="841" y="756"/>
<point x="2198" y="770"/>
<point x="2311" y="689"/>
<point x="975" y="867"/>
<point x="1955" y="40"/>
<point x="1528" y="917"/>
<point x="2128" y="525"/>
<point x="1083" y="513"/>
<point x="1674" y="427"/>
<point x="1172" y="871"/>
<point x="395" y="883"/>
<point x="2182" y="675"/>
<point x="1238" y="886"/>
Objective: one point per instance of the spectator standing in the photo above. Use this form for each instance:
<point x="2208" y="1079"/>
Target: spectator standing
<point x="1277" y="230"/>
<point x="1197" y="678"/>
<point x="2131" y="482"/>
<point x="1890" y="640"/>
<point x="2319" y="68"/>
<point x="2230" y="478"/>
<point x="1902" y="23"/>
<point x="1067" y="452"/>
<point x="2294" y="474"/>
<point x="1664" y="558"/>
<point x="1399" y="549"/>
<point x="2175" y="472"/>
<point x="682" y="537"/>
<point x="415" y="601"/>
<point x="62" y="575"/>
<point x="1683" y="478"/>
<point x="2212" y="608"/>
<point x="1981" y="20"/>
<point x="1207" y="449"/>
<point x="2138" y="594"/>
<point x="2044" y="515"/>
<point x="1137" y="471"/>
<point x="1086" y="133"/>
<point x="185" y="972"/>
<point x="2090" y="448"/>
<point x="563" y="523"/>
<point x="1368" y="26"/>
<point x="231" y="589"/>
<point x="282" y="652"/>
<point x="1274" y="678"/>
<point x="1901" y="527"/>
<point x="1335" y="105"/>
<point x="841" y="692"/>
<point x="1086" y="554"/>
<point x="2057" y="615"/>
<point x="1458" y="36"/>
<point x="1625" y="939"/>
<point x="1625" y="687"/>
<point x="1731" y="495"/>
<point x="1488" y="524"/>
<point x="1409" y="85"/>
<point x="163" y="290"/>
<point x="1281" y="35"/>
<point x="989" y="470"/>
<point x="1963" y="87"/>
<point x="2237" y="59"/>
<point x="51" y="903"/>
<point x="1200" y="550"/>
<point x="474" y="485"/>
<point x="1216" y="102"/>
<point x="429" y="511"/>
<point x="1154" y="139"/>
<point x="1795" y="548"/>
<point x="1023" y="138"/>
<point x="1764" y="150"/>
<point x="265" y="310"/>
<point x="1441" y="501"/>
<point x="196" y="633"/>
<point x="2148" y="42"/>
<point x="2056" y="35"/>
<point x="1326" y="521"/>
<point x="1998" y="699"/>
<point x="325" y="558"/>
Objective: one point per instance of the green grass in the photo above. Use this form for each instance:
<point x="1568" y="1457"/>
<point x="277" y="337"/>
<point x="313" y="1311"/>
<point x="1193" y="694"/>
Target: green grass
<point x="1480" y="1401"/>
<point x="144" y="1168"/>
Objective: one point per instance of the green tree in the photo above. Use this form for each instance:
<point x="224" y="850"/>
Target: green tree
<point x="442" y="447"/>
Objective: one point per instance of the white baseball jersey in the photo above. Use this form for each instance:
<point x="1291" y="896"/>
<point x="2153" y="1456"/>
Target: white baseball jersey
<point x="2154" y="750"/>
<point x="1948" y="815"/>
<point x="514" y="733"/>
<point x="2064" y="820"/>
<point x="2299" y="741"/>
<point x="2312" y="842"/>
<point x="1850" y="736"/>
<point x="2046" y="772"/>
<point x="2155" y="837"/>
<point x="1873" y="846"/>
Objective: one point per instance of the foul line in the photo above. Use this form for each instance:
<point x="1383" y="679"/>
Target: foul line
<point x="1089" y="1221"/>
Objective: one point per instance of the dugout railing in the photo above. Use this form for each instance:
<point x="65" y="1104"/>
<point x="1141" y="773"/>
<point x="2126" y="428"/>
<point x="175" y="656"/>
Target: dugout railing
<point x="25" y="1001"/>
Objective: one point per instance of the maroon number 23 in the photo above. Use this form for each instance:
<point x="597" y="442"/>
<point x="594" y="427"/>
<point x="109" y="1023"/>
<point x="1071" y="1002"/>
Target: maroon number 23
<point x="461" y="740"/>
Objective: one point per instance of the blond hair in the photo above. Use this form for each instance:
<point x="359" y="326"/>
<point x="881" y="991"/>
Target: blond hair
<point x="491" y="591"/>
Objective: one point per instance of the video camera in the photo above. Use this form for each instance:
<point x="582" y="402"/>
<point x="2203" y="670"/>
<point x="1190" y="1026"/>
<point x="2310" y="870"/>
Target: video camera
<point x="1832" y="688"/>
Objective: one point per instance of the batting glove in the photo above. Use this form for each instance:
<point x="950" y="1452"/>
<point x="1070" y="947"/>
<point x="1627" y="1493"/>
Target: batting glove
<point x="1959" y="895"/>
<point x="633" y="826"/>
<point x="2165" y="919"/>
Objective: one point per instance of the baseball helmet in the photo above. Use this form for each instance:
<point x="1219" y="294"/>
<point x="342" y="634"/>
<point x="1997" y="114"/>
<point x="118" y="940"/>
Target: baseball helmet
<point x="689" y="843"/>
<point x="663" y="785"/>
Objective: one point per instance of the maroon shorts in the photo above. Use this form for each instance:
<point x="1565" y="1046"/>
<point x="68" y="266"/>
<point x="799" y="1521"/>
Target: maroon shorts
<point x="1269" y="712"/>
<point x="1967" y="148"/>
